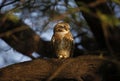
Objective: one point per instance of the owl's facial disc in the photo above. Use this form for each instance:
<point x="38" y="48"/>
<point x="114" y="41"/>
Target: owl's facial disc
<point x="62" y="28"/>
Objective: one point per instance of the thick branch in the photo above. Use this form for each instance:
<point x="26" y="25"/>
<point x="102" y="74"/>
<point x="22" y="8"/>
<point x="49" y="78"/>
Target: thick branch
<point x="21" y="37"/>
<point x="83" y="68"/>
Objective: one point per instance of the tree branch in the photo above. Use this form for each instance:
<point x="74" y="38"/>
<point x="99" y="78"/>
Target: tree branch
<point x="83" y="68"/>
<point x="4" y="1"/>
<point x="21" y="37"/>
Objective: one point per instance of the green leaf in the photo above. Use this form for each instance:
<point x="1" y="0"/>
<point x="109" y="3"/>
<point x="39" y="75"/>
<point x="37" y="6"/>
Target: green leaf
<point x="116" y="1"/>
<point x="108" y="19"/>
<point x="12" y="17"/>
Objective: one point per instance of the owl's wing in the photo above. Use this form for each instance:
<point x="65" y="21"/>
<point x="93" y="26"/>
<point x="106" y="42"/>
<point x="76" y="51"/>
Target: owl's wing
<point x="70" y="42"/>
<point x="55" y="41"/>
<point x="52" y="41"/>
<point x="52" y="45"/>
<point x="72" y="47"/>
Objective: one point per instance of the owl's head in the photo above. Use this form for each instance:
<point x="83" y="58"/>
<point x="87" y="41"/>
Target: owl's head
<point x="62" y="27"/>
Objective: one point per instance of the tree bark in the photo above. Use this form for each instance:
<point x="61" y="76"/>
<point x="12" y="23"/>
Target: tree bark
<point x="82" y="68"/>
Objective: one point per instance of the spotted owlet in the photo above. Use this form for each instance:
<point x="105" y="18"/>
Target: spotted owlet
<point x="62" y="41"/>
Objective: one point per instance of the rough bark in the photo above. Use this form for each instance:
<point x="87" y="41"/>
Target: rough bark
<point x="82" y="68"/>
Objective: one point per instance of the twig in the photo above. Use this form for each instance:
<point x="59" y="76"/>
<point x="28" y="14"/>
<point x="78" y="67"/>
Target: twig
<point x="3" y="3"/>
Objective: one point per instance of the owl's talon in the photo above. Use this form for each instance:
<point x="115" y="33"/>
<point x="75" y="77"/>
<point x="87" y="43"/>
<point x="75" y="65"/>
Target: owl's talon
<point x="60" y="57"/>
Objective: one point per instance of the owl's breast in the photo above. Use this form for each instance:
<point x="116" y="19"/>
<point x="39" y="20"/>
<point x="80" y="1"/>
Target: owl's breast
<point x="61" y="34"/>
<point x="62" y="41"/>
<point x="62" y="44"/>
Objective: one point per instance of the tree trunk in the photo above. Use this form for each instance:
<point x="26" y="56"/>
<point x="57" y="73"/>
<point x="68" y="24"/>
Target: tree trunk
<point x="94" y="22"/>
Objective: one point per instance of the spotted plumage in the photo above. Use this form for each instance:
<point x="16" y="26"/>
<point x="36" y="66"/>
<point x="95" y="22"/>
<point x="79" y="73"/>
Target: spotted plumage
<point x="62" y="41"/>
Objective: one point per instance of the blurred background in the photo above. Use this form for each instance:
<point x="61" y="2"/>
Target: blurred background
<point x="95" y="26"/>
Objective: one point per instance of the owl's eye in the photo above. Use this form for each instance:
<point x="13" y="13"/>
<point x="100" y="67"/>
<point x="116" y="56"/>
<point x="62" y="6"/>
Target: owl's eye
<point x="62" y="26"/>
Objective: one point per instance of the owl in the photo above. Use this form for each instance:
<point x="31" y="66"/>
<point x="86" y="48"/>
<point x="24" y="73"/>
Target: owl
<point x="62" y="41"/>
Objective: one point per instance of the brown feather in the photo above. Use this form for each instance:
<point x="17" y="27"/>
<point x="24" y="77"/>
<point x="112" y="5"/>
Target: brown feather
<point x="62" y="41"/>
